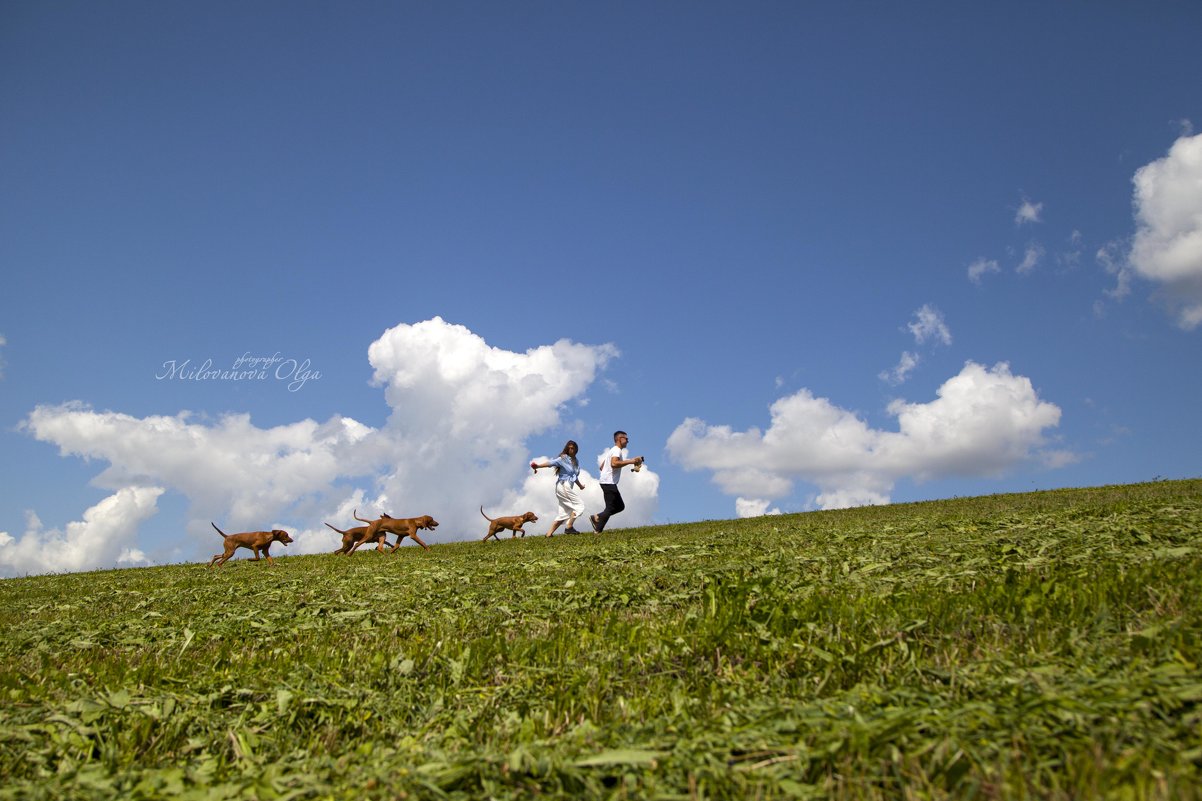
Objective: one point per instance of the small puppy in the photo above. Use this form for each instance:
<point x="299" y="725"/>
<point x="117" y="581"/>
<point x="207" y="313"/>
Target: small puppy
<point x="254" y="540"/>
<point x="353" y="535"/>
<point x="513" y="523"/>
<point x="402" y="527"/>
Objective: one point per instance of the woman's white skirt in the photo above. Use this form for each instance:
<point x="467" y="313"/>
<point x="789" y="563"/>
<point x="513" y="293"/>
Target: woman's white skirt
<point x="570" y="504"/>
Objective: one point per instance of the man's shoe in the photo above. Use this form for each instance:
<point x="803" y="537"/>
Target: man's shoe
<point x="596" y="526"/>
<point x="570" y="531"/>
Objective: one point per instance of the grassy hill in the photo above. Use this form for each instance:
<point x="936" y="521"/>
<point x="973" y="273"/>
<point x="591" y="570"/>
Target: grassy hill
<point x="1044" y="645"/>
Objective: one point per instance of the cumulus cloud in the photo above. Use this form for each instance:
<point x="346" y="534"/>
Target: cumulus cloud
<point x="103" y="539"/>
<point x="461" y="412"/>
<point x="463" y="409"/>
<point x="982" y="267"/>
<point x="1167" y="248"/>
<point x="982" y="422"/>
<point x="230" y="469"/>
<point x="754" y="507"/>
<point x="1028" y="212"/>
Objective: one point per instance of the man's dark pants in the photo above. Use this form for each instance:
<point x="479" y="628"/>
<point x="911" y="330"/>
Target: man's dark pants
<point x="613" y="504"/>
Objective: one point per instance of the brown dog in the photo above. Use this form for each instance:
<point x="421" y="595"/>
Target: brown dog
<point x="513" y="523"/>
<point x="402" y="527"/>
<point x="254" y="540"/>
<point x="353" y="535"/>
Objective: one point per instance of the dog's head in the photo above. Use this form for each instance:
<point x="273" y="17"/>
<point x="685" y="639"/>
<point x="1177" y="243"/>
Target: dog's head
<point x="280" y="536"/>
<point x="425" y="521"/>
<point x="530" y="517"/>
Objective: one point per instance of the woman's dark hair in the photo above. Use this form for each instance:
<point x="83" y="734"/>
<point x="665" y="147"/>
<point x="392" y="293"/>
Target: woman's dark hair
<point x="570" y="444"/>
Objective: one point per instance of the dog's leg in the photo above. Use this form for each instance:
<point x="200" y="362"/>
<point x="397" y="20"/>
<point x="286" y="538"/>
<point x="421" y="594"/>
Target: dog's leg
<point x="411" y="534"/>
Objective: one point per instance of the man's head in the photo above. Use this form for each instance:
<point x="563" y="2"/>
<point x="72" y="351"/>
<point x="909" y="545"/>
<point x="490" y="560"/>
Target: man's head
<point x="620" y="439"/>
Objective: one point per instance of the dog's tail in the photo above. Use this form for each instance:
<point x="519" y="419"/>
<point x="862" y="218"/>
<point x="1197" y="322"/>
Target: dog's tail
<point x="486" y="517"/>
<point x="340" y="531"/>
<point x="360" y="519"/>
<point x="219" y="531"/>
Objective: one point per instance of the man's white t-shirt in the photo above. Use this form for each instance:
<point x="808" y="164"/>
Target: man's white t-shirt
<point x="608" y="475"/>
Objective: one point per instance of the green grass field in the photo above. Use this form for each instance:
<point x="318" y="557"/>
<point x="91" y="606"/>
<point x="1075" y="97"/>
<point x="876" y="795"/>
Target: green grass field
<point x="1041" y="646"/>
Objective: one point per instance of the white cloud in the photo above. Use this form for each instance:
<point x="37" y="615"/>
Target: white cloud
<point x="928" y="324"/>
<point x="754" y="507"/>
<point x="980" y="268"/>
<point x="1168" y="240"/>
<point x="982" y="422"/>
<point x="103" y="539"/>
<point x="3" y="342"/>
<point x="901" y="372"/>
<point x="443" y="380"/>
<point x="1031" y="259"/>
<point x="1055" y="459"/>
<point x="1117" y="266"/>
<point x="1028" y="212"/>
<point x="461" y="413"/>
<point x="1071" y="258"/>
<point x="229" y="469"/>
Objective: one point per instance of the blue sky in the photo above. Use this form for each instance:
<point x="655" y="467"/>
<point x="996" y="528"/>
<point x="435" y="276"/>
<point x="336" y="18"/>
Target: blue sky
<point x="807" y="254"/>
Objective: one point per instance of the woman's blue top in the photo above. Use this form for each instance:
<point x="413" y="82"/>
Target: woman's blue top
<point x="565" y="469"/>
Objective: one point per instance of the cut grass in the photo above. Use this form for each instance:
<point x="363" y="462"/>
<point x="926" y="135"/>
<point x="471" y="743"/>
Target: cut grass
<point x="1020" y="646"/>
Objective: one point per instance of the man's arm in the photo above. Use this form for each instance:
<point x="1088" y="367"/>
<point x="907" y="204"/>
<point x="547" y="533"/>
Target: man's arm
<point x="615" y="462"/>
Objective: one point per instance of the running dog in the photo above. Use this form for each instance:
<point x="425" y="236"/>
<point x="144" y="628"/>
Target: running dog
<point x="353" y="535"/>
<point x="254" y="540"/>
<point x="514" y="523"/>
<point x="402" y="527"/>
